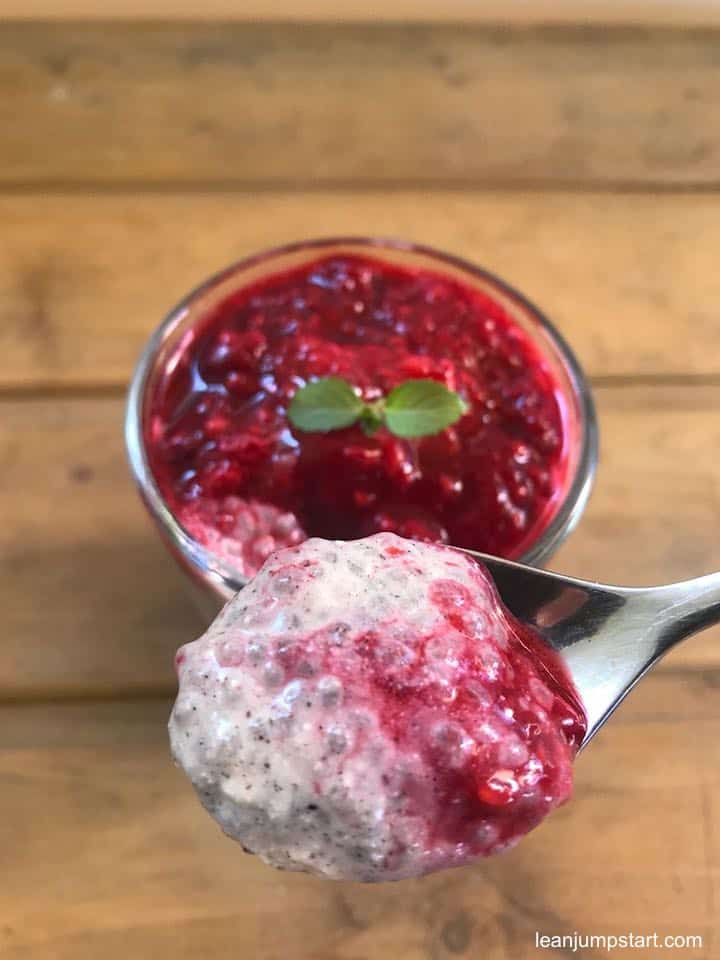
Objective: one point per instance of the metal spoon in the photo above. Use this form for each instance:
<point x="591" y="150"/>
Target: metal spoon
<point x="608" y="636"/>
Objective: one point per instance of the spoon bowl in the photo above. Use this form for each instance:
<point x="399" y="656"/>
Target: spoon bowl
<point x="608" y="636"/>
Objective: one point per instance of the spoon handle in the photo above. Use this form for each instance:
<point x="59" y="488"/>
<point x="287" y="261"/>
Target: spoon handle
<point x="687" y="607"/>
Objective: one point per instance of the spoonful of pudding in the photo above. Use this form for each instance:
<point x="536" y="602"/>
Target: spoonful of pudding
<point x="372" y="710"/>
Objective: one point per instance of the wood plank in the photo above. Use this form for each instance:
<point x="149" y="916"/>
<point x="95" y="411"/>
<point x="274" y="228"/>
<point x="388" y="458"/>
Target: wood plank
<point x="93" y="603"/>
<point x="675" y="12"/>
<point x="92" y="607"/>
<point x="630" y="280"/>
<point x="111" y="855"/>
<point x="317" y="103"/>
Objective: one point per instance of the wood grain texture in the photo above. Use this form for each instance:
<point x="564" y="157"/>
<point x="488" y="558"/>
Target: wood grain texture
<point x="643" y="12"/>
<point x="88" y="103"/>
<point x="93" y="603"/>
<point x="111" y="856"/>
<point x="92" y="607"/>
<point x="632" y="281"/>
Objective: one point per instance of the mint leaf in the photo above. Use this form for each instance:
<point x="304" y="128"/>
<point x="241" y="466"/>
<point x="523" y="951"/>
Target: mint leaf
<point x="417" y="408"/>
<point x="326" y="404"/>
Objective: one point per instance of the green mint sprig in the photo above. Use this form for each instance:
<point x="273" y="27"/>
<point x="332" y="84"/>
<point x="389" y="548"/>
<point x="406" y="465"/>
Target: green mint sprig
<point x="415" y="408"/>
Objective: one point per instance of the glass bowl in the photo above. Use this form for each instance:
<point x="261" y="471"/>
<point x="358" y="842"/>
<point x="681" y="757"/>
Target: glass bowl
<point x="217" y="580"/>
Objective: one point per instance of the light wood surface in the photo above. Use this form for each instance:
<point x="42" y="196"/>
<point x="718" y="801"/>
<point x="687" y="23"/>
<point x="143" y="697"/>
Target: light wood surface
<point x="131" y="868"/>
<point x="516" y="12"/>
<point x="632" y="281"/>
<point x="402" y="104"/>
<point x="579" y="164"/>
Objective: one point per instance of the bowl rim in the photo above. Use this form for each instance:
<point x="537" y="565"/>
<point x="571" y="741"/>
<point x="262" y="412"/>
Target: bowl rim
<point x="213" y="567"/>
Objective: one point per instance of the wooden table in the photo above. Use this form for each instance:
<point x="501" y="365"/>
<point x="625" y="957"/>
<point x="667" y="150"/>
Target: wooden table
<point x="583" y="164"/>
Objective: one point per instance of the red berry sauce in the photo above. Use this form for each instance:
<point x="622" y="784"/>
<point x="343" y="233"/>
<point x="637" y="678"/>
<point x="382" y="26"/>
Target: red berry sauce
<point x="420" y="722"/>
<point x="479" y="669"/>
<point x="244" y="481"/>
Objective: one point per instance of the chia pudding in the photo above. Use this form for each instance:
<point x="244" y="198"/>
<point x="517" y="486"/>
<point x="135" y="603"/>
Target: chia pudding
<point x="369" y="711"/>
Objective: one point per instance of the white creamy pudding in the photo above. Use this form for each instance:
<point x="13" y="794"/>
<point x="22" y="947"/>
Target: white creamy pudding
<point x="367" y="710"/>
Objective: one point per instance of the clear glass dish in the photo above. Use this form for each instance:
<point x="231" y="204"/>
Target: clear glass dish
<point x="218" y="580"/>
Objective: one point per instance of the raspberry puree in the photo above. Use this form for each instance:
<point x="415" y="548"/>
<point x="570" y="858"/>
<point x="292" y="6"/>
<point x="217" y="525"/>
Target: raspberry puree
<point x="243" y="481"/>
<point x="369" y="711"/>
